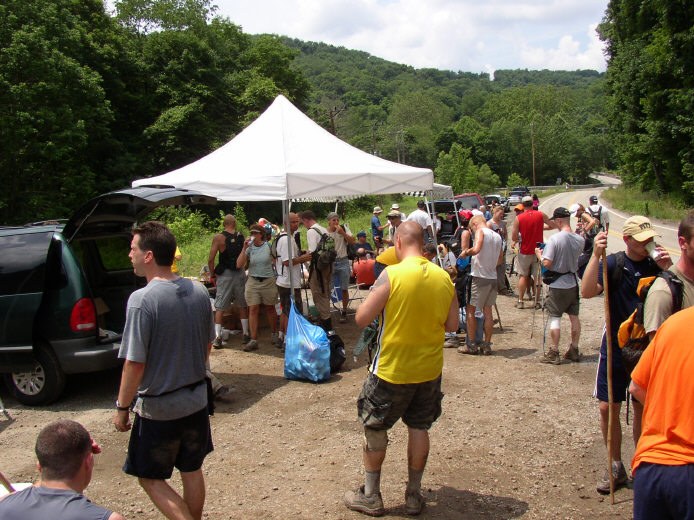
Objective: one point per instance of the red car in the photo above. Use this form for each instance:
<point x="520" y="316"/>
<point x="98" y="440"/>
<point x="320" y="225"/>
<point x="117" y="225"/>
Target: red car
<point x="470" y="200"/>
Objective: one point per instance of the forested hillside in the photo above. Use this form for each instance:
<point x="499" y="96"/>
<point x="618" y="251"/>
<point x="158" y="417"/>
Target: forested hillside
<point x="474" y="130"/>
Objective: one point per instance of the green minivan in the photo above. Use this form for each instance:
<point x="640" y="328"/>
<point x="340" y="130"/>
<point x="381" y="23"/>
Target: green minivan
<point x="64" y="288"/>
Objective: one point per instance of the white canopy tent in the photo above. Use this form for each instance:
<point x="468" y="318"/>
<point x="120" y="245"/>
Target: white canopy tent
<point x="284" y="155"/>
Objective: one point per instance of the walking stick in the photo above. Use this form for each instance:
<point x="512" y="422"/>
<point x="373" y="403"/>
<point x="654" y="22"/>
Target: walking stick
<point x="608" y="332"/>
<point x="6" y="483"/>
<point x="537" y="297"/>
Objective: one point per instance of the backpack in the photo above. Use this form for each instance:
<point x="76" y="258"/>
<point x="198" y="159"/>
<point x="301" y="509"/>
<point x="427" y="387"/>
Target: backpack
<point x="632" y="337"/>
<point x="337" y="352"/>
<point x="324" y="255"/>
<point x="234" y="246"/>
<point x="598" y="216"/>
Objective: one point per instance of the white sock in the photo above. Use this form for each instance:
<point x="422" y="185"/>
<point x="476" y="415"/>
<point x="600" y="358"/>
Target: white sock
<point x="218" y="329"/>
<point x="244" y="325"/>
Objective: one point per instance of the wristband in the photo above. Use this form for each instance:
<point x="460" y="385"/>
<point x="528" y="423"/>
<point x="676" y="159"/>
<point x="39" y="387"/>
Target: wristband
<point x="122" y="408"/>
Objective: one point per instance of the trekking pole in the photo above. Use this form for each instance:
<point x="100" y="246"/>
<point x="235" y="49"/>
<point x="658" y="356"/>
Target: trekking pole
<point x="537" y="294"/>
<point x="608" y="332"/>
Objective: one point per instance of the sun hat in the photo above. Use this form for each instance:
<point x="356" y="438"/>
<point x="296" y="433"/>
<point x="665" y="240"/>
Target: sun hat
<point x="377" y="209"/>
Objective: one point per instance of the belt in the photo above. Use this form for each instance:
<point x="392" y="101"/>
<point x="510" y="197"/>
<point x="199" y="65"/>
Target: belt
<point x="342" y="258"/>
<point x="260" y="278"/>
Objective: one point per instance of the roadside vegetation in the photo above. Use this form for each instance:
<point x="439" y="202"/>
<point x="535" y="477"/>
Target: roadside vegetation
<point x="647" y="203"/>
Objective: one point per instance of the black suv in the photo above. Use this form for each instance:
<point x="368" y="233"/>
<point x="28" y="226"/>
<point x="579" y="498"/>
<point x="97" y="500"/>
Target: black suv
<point x="64" y="288"/>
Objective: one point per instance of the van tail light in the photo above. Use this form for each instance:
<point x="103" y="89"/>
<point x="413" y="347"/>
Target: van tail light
<point x="83" y="316"/>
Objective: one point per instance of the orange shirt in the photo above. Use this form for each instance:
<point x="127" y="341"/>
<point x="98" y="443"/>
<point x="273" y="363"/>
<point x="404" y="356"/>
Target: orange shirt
<point x="364" y="271"/>
<point x="665" y="372"/>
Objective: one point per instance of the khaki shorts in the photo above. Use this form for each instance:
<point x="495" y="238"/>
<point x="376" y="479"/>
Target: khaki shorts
<point x="261" y="292"/>
<point x="483" y="292"/>
<point x="231" y="286"/>
<point x="526" y="264"/>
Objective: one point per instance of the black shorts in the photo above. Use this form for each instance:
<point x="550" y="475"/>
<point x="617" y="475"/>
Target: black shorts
<point x="285" y="300"/>
<point x="381" y="403"/>
<point x="156" y="447"/>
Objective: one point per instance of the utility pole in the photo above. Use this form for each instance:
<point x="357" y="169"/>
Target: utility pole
<point x="532" y="147"/>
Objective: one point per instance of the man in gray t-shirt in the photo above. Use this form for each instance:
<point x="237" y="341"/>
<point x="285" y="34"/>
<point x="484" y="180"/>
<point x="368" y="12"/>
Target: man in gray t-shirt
<point x="560" y="256"/>
<point x="168" y="333"/>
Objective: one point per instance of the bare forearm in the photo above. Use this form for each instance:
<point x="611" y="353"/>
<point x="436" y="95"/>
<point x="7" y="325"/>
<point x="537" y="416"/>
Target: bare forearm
<point x="130" y="381"/>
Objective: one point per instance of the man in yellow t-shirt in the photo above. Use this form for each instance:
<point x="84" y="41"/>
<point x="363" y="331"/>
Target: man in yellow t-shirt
<point x="664" y="459"/>
<point x="415" y="303"/>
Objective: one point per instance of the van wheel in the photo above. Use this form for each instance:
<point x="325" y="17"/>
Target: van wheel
<point x="42" y="385"/>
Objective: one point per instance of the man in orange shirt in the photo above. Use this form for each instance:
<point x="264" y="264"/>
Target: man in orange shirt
<point x="663" y="464"/>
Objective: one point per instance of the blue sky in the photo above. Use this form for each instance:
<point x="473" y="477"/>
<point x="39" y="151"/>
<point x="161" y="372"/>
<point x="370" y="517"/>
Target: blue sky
<point x="466" y="35"/>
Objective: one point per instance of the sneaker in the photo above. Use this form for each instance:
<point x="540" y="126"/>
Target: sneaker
<point x="519" y="304"/>
<point x="619" y="474"/>
<point x="246" y="338"/>
<point x="468" y="349"/>
<point x="343" y="316"/>
<point x="217" y="343"/>
<point x="223" y="393"/>
<point x="572" y="354"/>
<point x="358" y="501"/>
<point x="450" y="341"/>
<point x="486" y="348"/>
<point x="251" y="345"/>
<point x="276" y="341"/>
<point x="414" y="502"/>
<point x="551" y="357"/>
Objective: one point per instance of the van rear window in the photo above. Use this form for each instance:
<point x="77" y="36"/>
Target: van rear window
<point x="112" y="252"/>
<point x="23" y="263"/>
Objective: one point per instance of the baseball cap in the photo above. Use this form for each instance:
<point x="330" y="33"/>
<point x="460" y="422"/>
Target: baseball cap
<point x="395" y="206"/>
<point x="593" y="199"/>
<point x="560" y="213"/>
<point x="527" y="198"/>
<point x="574" y="208"/>
<point x="393" y="214"/>
<point x="518" y="207"/>
<point x="465" y="213"/>
<point x="361" y="234"/>
<point x="377" y="209"/>
<point x="332" y="215"/>
<point x="638" y="227"/>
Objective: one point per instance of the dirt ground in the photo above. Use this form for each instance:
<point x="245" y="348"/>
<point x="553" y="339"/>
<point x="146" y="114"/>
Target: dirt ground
<point x="517" y="439"/>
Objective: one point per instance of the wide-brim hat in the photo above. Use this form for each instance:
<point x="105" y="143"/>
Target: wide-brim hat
<point x="377" y="209"/>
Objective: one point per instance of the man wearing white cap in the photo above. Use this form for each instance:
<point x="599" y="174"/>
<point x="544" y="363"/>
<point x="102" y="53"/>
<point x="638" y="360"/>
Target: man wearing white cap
<point x="396" y="207"/>
<point x="624" y="270"/>
<point x="377" y="228"/>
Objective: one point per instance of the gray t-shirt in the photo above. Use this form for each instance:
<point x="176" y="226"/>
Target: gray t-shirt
<point x="563" y="249"/>
<point x="168" y="327"/>
<point x="39" y="503"/>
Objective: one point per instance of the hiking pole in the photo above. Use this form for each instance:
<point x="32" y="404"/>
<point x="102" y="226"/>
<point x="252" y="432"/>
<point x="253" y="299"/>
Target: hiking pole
<point x="537" y="294"/>
<point x="608" y="332"/>
<point x="6" y="483"/>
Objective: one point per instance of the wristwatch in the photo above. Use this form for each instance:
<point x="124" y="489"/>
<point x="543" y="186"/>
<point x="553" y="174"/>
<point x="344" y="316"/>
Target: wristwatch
<point x="121" y="408"/>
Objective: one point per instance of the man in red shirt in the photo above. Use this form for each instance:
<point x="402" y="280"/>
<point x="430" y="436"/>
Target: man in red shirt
<point x="528" y="230"/>
<point x="363" y="269"/>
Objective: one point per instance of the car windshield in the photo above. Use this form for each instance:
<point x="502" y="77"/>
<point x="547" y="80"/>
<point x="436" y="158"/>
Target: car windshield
<point x="468" y="201"/>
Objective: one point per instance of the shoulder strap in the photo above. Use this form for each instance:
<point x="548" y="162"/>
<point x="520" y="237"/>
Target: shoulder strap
<point x="618" y="273"/>
<point x="676" y="289"/>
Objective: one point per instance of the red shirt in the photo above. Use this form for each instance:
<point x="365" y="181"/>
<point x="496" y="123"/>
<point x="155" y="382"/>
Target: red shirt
<point x="364" y="272"/>
<point x="530" y="225"/>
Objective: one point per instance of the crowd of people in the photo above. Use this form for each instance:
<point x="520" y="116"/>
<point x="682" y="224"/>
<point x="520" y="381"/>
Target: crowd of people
<point x="171" y="327"/>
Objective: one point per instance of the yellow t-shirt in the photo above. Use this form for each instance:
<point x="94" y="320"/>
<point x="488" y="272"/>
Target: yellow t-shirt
<point x="388" y="257"/>
<point x="177" y="257"/>
<point x="412" y="324"/>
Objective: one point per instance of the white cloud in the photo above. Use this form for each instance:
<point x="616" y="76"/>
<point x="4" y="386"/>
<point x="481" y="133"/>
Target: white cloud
<point x="447" y="34"/>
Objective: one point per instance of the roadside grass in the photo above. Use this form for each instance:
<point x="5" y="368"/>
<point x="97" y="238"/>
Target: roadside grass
<point x="647" y="203"/>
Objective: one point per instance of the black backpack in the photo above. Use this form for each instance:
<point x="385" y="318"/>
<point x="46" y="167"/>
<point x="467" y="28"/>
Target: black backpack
<point x="597" y="215"/>
<point x="337" y="352"/>
<point x="234" y="246"/>
<point x="324" y="255"/>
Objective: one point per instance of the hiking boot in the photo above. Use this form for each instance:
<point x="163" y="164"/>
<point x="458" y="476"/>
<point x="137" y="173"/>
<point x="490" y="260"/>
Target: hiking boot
<point x="551" y="357"/>
<point x="251" y="345"/>
<point x="519" y="304"/>
<point x="572" y="354"/>
<point x="246" y="339"/>
<point x="218" y="343"/>
<point x="223" y="393"/>
<point x="343" y="317"/>
<point x="358" y="501"/>
<point x="276" y="341"/>
<point x="450" y="343"/>
<point x="414" y="502"/>
<point x="468" y="349"/>
<point x="619" y="474"/>
<point x="486" y="348"/>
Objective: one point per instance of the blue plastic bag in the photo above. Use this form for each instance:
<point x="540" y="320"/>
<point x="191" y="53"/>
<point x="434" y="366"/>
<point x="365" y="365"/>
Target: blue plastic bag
<point x="307" y="350"/>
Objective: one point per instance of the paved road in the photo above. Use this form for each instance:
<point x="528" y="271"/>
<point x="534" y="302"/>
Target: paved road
<point x="668" y="233"/>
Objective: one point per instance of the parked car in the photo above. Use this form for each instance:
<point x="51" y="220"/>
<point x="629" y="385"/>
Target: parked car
<point x="64" y="288"/>
<point x="470" y="200"/>
<point x="515" y="197"/>
<point x="495" y="198"/>
<point x="524" y="189"/>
